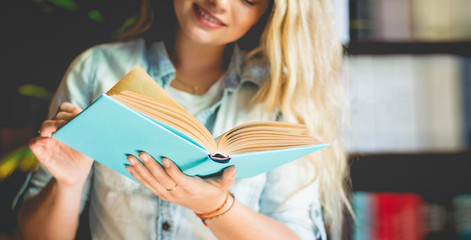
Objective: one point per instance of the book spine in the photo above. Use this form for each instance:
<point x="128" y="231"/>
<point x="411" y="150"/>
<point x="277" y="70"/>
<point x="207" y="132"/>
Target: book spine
<point x="362" y="205"/>
<point x="385" y="216"/>
<point x="431" y="20"/>
<point x="395" y="20"/>
<point x="445" y="79"/>
<point x="466" y="98"/>
<point x="461" y="205"/>
<point x="399" y="216"/>
<point x="460" y="21"/>
<point x="362" y="90"/>
<point x="342" y="19"/>
<point x="361" y="19"/>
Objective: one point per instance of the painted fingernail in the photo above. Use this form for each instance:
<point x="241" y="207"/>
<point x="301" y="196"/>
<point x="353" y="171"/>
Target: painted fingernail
<point x="166" y="162"/>
<point x="144" y="157"/>
<point x="132" y="160"/>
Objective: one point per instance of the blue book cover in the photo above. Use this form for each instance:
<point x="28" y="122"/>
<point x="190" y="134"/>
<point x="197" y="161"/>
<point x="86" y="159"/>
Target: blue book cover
<point x="109" y="130"/>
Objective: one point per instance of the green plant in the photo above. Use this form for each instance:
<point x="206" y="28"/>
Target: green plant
<point x="22" y="158"/>
<point x="94" y="14"/>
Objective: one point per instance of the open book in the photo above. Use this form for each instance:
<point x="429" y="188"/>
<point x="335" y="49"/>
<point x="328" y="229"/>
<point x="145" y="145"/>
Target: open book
<point x="137" y="115"/>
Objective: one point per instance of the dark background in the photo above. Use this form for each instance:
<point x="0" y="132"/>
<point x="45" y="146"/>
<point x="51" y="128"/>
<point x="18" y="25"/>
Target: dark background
<point x="39" y="40"/>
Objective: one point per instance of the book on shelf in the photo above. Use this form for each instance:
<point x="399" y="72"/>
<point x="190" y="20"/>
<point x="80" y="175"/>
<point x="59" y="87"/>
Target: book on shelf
<point x="364" y="207"/>
<point x="408" y="103"/>
<point x="411" y="20"/>
<point x="361" y="19"/>
<point x="342" y="19"/>
<point x="460" y="20"/>
<point x="441" y="105"/>
<point x="431" y="20"/>
<point x="391" y="20"/>
<point x="137" y="115"/>
<point x="461" y="209"/>
<point x="399" y="216"/>
<point x="466" y="98"/>
<point x="388" y="216"/>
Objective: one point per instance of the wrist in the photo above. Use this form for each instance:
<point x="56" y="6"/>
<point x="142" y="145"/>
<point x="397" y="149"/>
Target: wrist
<point x="69" y="188"/>
<point x="211" y="204"/>
<point x="221" y="211"/>
<point x="214" y="210"/>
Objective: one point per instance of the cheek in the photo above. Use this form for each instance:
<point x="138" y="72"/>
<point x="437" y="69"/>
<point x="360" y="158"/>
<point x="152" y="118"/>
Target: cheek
<point x="243" y="24"/>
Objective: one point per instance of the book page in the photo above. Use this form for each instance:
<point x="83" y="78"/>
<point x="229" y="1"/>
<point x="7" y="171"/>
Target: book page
<point x="168" y="115"/>
<point x="264" y="136"/>
<point x="138" y="81"/>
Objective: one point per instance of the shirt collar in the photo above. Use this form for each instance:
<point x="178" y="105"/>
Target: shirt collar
<point x="163" y="71"/>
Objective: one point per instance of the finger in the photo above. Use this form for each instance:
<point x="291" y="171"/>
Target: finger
<point x="69" y="107"/>
<point x="64" y="116"/>
<point x="50" y="126"/>
<point x="38" y="146"/>
<point x="225" y="180"/>
<point x="174" y="172"/>
<point x="228" y="178"/>
<point x="157" y="171"/>
<point x="140" y="169"/>
<point x="142" y="180"/>
<point x="146" y="177"/>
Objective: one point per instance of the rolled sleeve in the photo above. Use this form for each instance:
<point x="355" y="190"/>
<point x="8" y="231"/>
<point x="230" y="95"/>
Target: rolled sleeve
<point x="292" y="197"/>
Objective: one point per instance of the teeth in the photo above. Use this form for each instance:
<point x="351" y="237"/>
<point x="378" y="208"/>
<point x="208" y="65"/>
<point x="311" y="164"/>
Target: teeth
<point x="209" y="18"/>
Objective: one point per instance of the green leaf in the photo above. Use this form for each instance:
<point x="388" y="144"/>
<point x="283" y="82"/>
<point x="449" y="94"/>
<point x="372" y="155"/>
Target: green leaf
<point x="66" y="4"/>
<point x="96" y="16"/>
<point x="126" y="24"/>
<point x="32" y="90"/>
<point x="10" y="161"/>
<point x="29" y="161"/>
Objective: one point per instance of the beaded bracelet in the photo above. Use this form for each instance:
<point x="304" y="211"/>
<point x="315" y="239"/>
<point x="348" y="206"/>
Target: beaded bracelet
<point x="200" y="215"/>
<point x="204" y="219"/>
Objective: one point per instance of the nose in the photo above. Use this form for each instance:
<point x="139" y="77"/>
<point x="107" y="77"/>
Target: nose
<point x="219" y="5"/>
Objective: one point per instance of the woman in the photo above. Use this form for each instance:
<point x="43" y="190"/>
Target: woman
<point x="291" y="75"/>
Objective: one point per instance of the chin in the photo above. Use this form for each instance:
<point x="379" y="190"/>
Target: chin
<point x="203" y="37"/>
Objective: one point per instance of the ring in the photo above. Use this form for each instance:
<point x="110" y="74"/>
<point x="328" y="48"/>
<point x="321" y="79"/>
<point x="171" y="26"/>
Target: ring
<point x="171" y="189"/>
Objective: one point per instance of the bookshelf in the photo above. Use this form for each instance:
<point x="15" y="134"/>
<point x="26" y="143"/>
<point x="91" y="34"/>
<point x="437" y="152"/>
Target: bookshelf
<point x="355" y="47"/>
<point x="404" y="52"/>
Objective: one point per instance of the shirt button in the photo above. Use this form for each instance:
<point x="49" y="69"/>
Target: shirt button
<point x="166" y="226"/>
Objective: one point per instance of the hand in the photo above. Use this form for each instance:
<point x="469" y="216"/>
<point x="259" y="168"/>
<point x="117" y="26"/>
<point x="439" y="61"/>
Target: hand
<point x="170" y="184"/>
<point x="66" y="165"/>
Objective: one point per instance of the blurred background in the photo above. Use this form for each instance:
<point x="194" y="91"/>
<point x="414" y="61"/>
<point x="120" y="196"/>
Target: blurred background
<point x="407" y="73"/>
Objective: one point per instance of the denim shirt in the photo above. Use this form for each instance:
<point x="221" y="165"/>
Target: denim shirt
<point x="120" y="208"/>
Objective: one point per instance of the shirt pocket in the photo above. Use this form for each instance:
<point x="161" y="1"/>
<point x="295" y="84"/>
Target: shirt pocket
<point x="107" y="177"/>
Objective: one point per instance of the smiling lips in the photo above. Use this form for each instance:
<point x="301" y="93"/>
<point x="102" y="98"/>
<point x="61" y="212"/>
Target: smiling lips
<point x="207" y="18"/>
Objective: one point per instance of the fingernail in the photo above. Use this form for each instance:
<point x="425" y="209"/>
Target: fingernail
<point x="144" y="156"/>
<point x="166" y="162"/>
<point x="132" y="160"/>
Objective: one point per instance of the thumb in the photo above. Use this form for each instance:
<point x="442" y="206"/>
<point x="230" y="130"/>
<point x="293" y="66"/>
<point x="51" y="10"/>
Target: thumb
<point x="38" y="146"/>
<point x="228" y="177"/>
